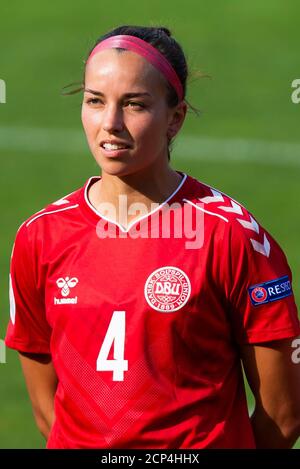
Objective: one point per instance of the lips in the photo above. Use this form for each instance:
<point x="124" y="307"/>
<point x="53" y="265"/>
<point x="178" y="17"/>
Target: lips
<point x="114" y="145"/>
<point x="114" y="148"/>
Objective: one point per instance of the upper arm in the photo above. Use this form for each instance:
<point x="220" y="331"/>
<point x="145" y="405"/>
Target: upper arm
<point x="28" y="329"/>
<point x="41" y="382"/>
<point x="274" y="377"/>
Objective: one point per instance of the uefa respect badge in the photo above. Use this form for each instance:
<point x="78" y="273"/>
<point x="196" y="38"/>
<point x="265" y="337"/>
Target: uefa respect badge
<point x="167" y="289"/>
<point x="273" y="290"/>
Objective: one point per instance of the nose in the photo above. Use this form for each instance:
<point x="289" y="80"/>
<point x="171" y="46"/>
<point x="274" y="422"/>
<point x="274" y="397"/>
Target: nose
<point x="113" y="119"/>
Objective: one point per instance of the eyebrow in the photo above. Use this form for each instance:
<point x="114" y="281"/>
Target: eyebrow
<point x="126" y="95"/>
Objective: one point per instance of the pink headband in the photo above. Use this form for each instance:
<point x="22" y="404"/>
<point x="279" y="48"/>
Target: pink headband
<point x="150" y="53"/>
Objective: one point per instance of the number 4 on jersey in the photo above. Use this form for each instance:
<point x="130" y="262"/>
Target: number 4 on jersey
<point x="115" y="336"/>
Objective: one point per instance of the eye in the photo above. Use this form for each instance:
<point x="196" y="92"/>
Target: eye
<point x="136" y="104"/>
<point x="93" y="101"/>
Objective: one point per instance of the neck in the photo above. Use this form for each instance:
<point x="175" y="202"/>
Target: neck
<point x="144" y="187"/>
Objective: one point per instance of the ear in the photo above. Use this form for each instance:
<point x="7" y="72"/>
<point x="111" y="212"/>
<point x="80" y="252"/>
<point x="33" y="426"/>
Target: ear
<point x="176" y="119"/>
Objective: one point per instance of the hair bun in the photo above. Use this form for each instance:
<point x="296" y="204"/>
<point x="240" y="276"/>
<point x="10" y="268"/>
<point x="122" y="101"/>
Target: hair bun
<point x="165" y="30"/>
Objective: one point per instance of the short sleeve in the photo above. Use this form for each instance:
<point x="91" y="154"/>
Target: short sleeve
<point x="258" y="285"/>
<point x="28" y="329"/>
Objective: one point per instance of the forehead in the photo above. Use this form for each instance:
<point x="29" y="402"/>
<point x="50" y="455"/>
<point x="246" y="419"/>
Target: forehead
<point x="112" y="67"/>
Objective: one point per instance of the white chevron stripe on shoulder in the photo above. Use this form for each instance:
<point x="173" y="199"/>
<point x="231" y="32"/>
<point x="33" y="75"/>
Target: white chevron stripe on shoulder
<point x="217" y="197"/>
<point x="249" y="225"/>
<point x="61" y="202"/>
<point x="199" y="207"/>
<point x="235" y="208"/>
<point x="50" y="213"/>
<point x="264" y="248"/>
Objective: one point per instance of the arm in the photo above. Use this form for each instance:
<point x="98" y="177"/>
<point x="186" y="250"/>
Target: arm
<point x="275" y="382"/>
<point x="41" y="381"/>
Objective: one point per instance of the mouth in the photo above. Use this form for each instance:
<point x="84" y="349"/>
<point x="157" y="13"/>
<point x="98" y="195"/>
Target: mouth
<point x="115" y="149"/>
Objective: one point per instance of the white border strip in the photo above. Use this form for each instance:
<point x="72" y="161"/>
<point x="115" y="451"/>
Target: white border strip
<point x="67" y="141"/>
<point x="205" y="211"/>
<point x="134" y="222"/>
<point x="50" y="213"/>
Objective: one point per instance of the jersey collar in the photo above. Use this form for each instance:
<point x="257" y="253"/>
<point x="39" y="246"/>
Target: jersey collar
<point x="95" y="216"/>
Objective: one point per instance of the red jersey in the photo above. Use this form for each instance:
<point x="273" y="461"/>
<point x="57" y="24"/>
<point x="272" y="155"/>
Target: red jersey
<point x="144" y="324"/>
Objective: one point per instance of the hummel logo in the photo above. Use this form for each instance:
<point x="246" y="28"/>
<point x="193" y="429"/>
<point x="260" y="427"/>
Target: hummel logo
<point x="65" y="284"/>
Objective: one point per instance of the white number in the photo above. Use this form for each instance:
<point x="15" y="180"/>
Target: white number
<point x="115" y="335"/>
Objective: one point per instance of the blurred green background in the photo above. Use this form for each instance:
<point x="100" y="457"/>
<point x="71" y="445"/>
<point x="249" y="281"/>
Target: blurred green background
<point x="246" y="141"/>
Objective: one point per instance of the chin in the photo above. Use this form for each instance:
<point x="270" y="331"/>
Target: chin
<point x="117" y="168"/>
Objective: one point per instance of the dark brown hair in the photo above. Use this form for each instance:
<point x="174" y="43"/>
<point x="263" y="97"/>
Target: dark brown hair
<point x="161" y="39"/>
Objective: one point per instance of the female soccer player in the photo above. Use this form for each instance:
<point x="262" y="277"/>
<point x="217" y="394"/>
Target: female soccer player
<point x="135" y="299"/>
